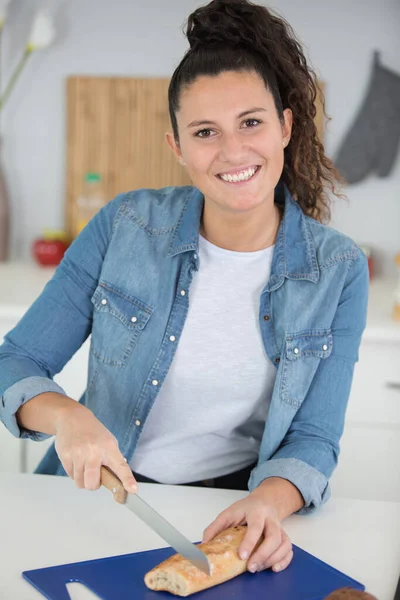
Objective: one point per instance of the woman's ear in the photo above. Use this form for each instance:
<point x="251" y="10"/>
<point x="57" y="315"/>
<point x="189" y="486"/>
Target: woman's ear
<point x="287" y="125"/>
<point x="169" y="136"/>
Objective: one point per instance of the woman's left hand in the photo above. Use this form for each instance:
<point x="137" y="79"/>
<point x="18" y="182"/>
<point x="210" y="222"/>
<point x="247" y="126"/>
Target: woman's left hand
<point x="275" y="550"/>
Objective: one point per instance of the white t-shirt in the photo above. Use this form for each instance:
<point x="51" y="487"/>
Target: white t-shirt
<point x="209" y="415"/>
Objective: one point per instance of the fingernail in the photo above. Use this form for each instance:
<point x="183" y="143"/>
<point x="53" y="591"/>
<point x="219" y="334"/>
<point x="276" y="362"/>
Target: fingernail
<point x="244" y="555"/>
<point x="277" y="568"/>
<point x="253" y="568"/>
<point x="133" y="487"/>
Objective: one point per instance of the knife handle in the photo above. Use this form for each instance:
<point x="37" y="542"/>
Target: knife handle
<point x="114" y="484"/>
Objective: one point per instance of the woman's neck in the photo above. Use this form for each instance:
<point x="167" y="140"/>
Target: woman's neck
<point x="241" y="232"/>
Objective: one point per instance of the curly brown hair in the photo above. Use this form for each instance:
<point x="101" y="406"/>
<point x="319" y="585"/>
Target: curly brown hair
<point x="238" y="35"/>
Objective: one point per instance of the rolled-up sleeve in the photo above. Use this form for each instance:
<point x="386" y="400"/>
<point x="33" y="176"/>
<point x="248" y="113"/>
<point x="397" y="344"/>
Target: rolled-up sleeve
<point x="56" y="324"/>
<point x="309" y="451"/>
<point x="19" y="393"/>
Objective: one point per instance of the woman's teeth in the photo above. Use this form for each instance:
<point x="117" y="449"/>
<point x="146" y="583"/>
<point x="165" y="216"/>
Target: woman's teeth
<point x="242" y="176"/>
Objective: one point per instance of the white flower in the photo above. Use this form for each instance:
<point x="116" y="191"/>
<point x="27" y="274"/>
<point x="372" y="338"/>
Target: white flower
<point x="3" y="11"/>
<point x="42" y="32"/>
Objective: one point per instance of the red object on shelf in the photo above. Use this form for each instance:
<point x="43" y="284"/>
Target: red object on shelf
<point x="49" y="250"/>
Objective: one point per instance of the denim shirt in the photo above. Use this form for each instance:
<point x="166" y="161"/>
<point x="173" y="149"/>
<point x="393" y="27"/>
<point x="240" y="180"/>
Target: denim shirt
<point x="126" y="281"/>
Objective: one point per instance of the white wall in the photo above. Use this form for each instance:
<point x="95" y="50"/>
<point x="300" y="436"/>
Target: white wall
<point x="136" y="38"/>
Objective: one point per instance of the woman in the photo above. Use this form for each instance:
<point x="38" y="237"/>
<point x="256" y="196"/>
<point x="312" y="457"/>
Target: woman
<point x="225" y="317"/>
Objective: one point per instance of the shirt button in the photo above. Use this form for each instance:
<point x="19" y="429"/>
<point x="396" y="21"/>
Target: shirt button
<point x="154" y="382"/>
<point x="134" y="319"/>
<point x="266" y="317"/>
<point x="278" y="360"/>
<point x="172" y="338"/>
<point x="138" y="423"/>
<point x="194" y="256"/>
<point x="325" y="347"/>
<point x="296" y="350"/>
<point x="104" y="301"/>
<point x="183" y="293"/>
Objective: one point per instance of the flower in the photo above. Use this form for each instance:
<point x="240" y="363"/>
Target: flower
<point x="41" y="36"/>
<point x="3" y="12"/>
<point x="42" y="32"/>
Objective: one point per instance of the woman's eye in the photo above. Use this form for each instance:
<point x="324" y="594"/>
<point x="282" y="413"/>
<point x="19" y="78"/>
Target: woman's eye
<point x="251" y="123"/>
<point x="203" y="133"/>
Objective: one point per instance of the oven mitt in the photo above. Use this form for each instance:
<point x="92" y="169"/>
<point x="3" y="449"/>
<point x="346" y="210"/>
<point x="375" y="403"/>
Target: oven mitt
<point x="372" y="143"/>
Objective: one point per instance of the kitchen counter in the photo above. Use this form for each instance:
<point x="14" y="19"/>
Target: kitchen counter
<point x="47" y="520"/>
<point x="21" y="283"/>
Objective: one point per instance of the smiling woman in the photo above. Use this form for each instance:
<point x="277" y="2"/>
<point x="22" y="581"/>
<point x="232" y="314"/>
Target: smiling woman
<point x="225" y="317"/>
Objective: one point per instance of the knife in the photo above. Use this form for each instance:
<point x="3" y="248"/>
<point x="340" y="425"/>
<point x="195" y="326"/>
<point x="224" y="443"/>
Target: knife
<point x="155" y="521"/>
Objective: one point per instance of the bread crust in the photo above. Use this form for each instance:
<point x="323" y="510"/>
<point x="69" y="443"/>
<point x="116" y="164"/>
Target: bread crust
<point x="178" y="576"/>
<point x="349" y="594"/>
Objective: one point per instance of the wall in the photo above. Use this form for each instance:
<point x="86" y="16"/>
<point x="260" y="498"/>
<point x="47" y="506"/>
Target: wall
<point x="135" y="38"/>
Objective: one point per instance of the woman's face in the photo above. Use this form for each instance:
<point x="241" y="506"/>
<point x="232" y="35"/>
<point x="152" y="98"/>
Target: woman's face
<point x="231" y="140"/>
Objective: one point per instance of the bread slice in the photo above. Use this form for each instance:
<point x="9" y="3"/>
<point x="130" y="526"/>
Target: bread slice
<point x="178" y="576"/>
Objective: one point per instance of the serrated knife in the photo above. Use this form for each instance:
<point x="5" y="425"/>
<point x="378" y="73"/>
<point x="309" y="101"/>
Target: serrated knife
<point x="155" y="521"/>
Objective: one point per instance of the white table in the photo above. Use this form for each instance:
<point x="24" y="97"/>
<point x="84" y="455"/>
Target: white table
<point x="48" y="521"/>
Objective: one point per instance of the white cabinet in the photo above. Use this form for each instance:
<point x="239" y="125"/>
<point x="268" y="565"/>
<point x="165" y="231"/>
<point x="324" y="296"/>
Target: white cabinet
<point x="375" y="393"/>
<point x="369" y="461"/>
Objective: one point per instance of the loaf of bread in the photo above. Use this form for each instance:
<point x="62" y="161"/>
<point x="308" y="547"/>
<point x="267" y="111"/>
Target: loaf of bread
<point x="178" y="576"/>
<point x="349" y="594"/>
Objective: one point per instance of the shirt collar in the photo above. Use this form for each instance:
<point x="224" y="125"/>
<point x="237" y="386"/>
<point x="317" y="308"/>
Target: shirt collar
<point x="294" y="254"/>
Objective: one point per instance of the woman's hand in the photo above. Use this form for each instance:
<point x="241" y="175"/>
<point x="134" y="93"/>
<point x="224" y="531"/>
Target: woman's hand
<point x="261" y="518"/>
<point x="83" y="445"/>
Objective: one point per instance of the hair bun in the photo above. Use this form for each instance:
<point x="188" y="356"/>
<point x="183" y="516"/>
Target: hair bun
<point x="221" y="22"/>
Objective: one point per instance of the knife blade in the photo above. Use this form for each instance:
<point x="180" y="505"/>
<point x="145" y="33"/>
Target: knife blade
<point x="155" y="521"/>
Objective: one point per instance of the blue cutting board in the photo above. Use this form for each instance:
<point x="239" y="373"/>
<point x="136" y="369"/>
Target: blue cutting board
<point x="121" y="578"/>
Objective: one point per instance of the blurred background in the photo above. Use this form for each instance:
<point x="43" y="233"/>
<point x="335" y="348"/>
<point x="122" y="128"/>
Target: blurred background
<point x="90" y="92"/>
<point x="128" y="38"/>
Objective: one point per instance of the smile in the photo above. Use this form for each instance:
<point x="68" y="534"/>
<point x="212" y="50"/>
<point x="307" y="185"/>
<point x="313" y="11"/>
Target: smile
<point x="240" y="176"/>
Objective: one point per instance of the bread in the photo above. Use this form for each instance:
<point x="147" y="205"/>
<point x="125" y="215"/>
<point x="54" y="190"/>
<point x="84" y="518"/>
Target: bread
<point x="349" y="594"/>
<point x="178" y="576"/>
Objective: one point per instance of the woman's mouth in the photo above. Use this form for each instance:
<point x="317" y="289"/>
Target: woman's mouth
<point x="240" y="177"/>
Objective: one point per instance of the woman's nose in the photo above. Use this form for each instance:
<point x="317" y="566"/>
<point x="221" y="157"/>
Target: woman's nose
<point x="232" y="148"/>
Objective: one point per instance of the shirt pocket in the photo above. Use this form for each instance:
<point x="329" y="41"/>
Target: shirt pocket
<point x="118" y="321"/>
<point x="303" y="353"/>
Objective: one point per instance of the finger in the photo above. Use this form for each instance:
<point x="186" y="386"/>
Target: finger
<point x="255" y="528"/>
<point x="91" y="474"/>
<point x="118" y="464"/>
<point x="279" y="554"/>
<point x="272" y="541"/>
<point x="221" y="522"/>
<point x="285" y="562"/>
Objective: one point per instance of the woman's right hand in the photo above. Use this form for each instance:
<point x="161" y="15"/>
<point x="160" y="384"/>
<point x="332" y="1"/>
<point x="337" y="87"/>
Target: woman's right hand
<point x="84" y="444"/>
